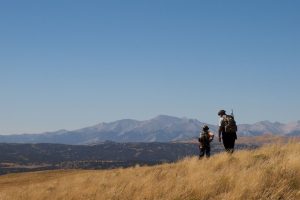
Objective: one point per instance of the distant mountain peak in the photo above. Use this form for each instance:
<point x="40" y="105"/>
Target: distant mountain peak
<point x="265" y="122"/>
<point x="164" y="117"/>
<point x="163" y="128"/>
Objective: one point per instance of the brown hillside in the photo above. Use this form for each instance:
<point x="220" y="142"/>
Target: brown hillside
<point x="272" y="172"/>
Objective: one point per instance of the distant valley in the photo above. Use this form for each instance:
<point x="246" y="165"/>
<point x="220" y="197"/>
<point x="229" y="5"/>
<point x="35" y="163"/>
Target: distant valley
<point x="108" y="155"/>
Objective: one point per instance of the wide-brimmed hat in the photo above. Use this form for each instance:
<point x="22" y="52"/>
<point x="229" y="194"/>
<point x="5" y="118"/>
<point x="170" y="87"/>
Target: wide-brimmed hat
<point x="205" y="128"/>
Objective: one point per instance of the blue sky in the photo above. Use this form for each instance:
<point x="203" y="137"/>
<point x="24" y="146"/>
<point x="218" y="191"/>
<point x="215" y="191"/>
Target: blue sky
<point x="71" y="64"/>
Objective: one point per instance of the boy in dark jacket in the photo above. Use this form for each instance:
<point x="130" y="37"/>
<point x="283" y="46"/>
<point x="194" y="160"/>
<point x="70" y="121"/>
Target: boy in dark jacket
<point x="205" y="139"/>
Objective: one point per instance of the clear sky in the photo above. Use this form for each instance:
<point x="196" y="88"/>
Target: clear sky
<point x="71" y="64"/>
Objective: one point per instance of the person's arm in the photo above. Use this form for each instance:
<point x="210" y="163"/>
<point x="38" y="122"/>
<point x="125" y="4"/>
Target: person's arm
<point x="200" y="143"/>
<point x="211" y="137"/>
<point x="220" y="129"/>
<point x="220" y="132"/>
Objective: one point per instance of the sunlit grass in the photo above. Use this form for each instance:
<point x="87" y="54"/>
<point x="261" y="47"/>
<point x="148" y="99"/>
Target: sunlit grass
<point x="272" y="172"/>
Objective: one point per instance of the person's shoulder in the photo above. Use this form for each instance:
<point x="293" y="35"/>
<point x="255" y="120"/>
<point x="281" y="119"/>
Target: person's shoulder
<point x="221" y="119"/>
<point x="225" y="117"/>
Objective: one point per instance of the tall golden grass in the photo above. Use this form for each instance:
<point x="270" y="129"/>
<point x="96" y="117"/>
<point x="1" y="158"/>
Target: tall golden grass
<point x="271" y="172"/>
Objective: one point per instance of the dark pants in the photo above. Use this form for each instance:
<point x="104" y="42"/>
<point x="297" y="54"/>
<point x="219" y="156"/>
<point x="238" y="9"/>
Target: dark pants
<point x="229" y="141"/>
<point x="204" y="151"/>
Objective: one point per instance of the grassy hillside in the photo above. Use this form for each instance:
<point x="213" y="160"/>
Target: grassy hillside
<point x="272" y="172"/>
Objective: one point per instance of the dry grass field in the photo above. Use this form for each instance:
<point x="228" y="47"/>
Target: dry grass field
<point x="271" y="172"/>
<point x="266" y="139"/>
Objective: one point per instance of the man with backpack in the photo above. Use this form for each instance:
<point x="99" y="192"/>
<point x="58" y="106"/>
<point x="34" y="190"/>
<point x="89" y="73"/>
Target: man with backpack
<point x="227" y="130"/>
<point x="205" y="139"/>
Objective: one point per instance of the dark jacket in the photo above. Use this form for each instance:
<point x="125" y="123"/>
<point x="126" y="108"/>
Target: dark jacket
<point x="205" y="139"/>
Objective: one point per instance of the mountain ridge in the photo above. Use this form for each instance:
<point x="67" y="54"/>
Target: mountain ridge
<point x="163" y="128"/>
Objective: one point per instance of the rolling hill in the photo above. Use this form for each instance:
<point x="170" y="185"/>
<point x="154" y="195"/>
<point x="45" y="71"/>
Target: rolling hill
<point x="271" y="172"/>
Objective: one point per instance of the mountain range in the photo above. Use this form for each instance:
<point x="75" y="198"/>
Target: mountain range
<point x="162" y="128"/>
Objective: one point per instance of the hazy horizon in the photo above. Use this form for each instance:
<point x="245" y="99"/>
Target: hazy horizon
<point x="89" y="125"/>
